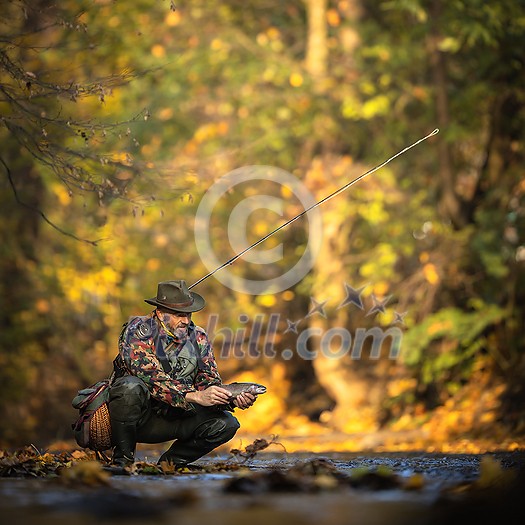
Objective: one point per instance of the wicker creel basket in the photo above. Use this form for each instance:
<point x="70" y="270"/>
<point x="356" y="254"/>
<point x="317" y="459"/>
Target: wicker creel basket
<point x="100" y="429"/>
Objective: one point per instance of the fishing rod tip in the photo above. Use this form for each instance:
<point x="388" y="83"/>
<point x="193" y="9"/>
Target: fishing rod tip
<point x="435" y="132"/>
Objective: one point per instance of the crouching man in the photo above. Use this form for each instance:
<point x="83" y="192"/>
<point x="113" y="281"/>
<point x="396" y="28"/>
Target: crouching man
<point x="167" y="385"/>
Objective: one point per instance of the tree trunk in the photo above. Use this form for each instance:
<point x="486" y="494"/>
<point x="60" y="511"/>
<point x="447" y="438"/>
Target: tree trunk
<point x="450" y="204"/>
<point x="316" y="45"/>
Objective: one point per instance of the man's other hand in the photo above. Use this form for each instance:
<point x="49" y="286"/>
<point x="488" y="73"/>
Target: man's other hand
<point x="244" y="400"/>
<point x="213" y="395"/>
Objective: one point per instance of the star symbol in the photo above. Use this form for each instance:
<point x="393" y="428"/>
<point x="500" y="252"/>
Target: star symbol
<point x="317" y="308"/>
<point x="292" y="326"/>
<point x="379" y="306"/>
<point x="353" y="296"/>
<point x="399" y="318"/>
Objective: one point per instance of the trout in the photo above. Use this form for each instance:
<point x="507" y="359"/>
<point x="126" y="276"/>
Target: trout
<point x="239" y="388"/>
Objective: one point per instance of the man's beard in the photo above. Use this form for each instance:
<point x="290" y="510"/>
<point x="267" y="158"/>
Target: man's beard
<point x="180" y="332"/>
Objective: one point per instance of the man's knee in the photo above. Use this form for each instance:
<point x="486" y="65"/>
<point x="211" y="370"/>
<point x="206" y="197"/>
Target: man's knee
<point x="128" y="398"/>
<point x="219" y="429"/>
<point x="231" y="427"/>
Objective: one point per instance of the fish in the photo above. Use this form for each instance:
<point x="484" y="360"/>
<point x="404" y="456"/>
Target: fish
<point x="240" y="388"/>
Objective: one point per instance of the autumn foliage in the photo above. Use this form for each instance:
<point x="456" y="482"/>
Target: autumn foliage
<point x="116" y="118"/>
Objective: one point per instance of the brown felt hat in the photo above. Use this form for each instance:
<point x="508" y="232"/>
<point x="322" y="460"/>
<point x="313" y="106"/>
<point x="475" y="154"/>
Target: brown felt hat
<point x="175" y="296"/>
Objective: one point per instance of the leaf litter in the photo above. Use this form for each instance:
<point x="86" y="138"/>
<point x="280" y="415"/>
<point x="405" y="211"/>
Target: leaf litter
<point x="80" y="468"/>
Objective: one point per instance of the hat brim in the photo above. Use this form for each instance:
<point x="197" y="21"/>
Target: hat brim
<point x="198" y="304"/>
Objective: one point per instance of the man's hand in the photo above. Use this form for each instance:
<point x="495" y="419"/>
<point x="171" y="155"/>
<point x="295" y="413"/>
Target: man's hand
<point x="244" y="400"/>
<point x="213" y="395"/>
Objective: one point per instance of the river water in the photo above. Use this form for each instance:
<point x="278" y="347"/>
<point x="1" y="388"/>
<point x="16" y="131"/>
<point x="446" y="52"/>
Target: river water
<point x="447" y="492"/>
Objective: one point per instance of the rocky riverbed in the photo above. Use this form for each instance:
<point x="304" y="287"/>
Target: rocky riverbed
<point x="275" y="488"/>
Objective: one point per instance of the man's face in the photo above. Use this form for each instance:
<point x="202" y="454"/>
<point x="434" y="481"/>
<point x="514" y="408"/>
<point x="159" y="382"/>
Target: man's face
<point x="177" y="323"/>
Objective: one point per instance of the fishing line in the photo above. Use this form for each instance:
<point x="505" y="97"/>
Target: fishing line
<point x="304" y="212"/>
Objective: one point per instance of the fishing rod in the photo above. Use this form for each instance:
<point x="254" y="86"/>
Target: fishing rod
<point x="323" y="200"/>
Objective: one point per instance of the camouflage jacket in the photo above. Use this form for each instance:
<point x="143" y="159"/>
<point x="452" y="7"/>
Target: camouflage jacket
<point x="170" y="368"/>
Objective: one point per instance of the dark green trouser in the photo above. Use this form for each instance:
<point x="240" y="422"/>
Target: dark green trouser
<point x="134" y="421"/>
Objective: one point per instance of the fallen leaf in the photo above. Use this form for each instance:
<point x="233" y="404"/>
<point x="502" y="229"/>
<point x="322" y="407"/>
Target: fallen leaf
<point x="414" y="482"/>
<point x="87" y="473"/>
<point x="492" y="474"/>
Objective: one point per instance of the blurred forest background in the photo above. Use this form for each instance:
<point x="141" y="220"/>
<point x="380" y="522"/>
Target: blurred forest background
<point x="116" y="117"/>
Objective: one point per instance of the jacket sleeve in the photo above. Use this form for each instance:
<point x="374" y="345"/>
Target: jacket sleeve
<point x="208" y="373"/>
<point x="137" y="349"/>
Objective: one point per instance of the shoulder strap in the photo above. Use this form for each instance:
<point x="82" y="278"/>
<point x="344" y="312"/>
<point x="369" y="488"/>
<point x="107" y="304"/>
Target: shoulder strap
<point x="193" y="339"/>
<point x="161" y="354"/>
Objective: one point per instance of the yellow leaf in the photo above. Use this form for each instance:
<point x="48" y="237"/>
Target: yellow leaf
<point x="296" y="80"/>
<point x="381" y="288"/>
<point x="491" y="473"/>
<point x="430" y="273"/>
<point x="88" y="473"/>
<point x="333" y="18"/>
<point x="165" y="113"/>
<point x="288" y="295"/>
<point x="173" y="18"/>
<point x="286" y="192"/>
<point x="216" y="44"/>
<point x="273" y="33"/>
<point x="439" y="326"/>
<point x="152" y="264"/>
<point x="414" y="482"/>
<point x="42" y="306"/>
<point x="266" y="300"/>
<point x="158" y="51"/>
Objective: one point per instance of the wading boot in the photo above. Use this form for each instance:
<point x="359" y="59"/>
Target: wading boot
<point x="124" y="438"/>
<point x="182" y="453"/>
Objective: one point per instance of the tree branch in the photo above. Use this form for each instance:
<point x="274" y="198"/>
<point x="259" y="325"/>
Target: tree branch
<point x="40" y="212"/>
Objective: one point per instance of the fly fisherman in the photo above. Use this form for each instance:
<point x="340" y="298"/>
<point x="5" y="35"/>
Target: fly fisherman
<point x="166" y="385"/>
